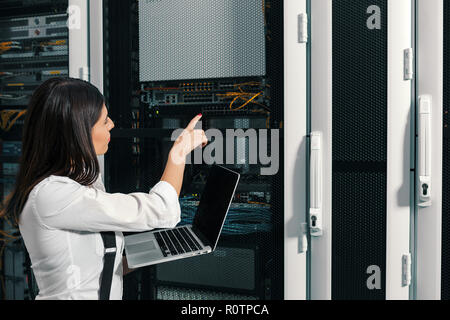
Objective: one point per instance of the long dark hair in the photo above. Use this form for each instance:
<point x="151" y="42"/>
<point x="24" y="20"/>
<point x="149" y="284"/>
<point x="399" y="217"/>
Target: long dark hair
<point x="56" y="139"/>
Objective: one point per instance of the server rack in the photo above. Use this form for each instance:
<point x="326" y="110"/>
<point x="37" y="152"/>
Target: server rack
<point x="361" y="121"/>
<point x="34" y="47"/>
<point x="147" y="105"/>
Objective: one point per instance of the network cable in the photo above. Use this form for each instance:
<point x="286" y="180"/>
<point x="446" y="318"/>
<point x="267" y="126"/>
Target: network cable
<point x="247" y="97"/>
<point x="8" y="45"/>
<point x="240" y="220"/>
<point x="5" y="116"/>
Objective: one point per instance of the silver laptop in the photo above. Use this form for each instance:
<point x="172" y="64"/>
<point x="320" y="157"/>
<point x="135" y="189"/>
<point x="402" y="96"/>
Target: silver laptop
<point x="201" y="237"/>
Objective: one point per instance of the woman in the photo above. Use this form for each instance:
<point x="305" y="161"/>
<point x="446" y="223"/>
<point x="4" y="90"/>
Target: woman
<point x="59" y="201"/>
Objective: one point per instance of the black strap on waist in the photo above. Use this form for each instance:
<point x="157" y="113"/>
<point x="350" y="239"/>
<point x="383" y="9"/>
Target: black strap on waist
<point x="109" y="242"/>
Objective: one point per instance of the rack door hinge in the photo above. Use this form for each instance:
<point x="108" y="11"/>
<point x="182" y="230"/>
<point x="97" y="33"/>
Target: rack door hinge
<point x="84" y="73"/>
<point x="408" y="64"/>
<point x="406" y="270"/>
<point x="302" y="28"/>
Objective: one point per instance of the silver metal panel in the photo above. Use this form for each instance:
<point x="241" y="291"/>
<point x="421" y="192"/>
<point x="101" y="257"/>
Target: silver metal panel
<point x="399" y="148"/>
<point x="96" y="43"/>
<point x="96" y="55"/>
<point x="198" y="39"/>
<point x="321" y="121"/>
<point x="295" y="148"/>
<point x="78" y="39"/>
<point x="430" y="21"/>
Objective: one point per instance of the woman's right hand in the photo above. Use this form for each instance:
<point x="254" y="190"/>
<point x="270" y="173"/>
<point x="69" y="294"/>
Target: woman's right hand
<point x="188" y="140"/>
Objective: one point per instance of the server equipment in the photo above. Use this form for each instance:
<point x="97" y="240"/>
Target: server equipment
<point x="223" y="59"/>
<point x="34" y="40"/>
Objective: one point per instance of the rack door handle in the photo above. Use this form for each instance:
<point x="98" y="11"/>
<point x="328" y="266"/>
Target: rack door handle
<point x="424" y="150"/>
<point x="316" y="185"/>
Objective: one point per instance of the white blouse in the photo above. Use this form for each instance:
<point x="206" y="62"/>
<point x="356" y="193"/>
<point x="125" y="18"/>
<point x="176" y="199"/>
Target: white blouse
<point x="61" y="224"/>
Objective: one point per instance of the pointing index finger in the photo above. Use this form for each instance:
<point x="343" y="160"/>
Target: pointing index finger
<point x="193" y="123"/>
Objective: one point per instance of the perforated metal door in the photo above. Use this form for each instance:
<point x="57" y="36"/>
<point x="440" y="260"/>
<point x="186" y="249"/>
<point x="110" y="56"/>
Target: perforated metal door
<point x="361" y="105"/>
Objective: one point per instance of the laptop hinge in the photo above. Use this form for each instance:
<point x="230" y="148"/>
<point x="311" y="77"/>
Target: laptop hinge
<point x="202" y="238"/>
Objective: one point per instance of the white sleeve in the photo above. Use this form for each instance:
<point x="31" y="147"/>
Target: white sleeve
<point x="71" y="206"/>
<point x="99" y="183"/>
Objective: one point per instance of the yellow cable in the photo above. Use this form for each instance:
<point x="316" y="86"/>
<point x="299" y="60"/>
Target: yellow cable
<point x="6" y="115"/>
<point x="231" y="104"/>
<point x="15" y="119"/>
<point x="243" y="95"/>
<point x="250" y="83"/>
<point x="254" y="97"/>
<point x="53" y="43"/>
<point x="2" y="50"/>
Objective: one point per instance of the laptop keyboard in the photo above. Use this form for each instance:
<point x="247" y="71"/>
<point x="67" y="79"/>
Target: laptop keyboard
<point x="176" y="241"/>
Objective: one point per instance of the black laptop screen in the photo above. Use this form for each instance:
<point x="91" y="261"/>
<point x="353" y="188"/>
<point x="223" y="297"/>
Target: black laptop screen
<point x="214" y="203"/>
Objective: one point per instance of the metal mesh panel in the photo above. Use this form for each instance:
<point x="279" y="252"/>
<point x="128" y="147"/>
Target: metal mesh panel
<point x="173" y="293"/>
<point x="225" y="268"/>
<point x="356" y="232"/>
<point x="445" y="286"/>
<point x="359" y="149"/>
<point x="197" y="39"/>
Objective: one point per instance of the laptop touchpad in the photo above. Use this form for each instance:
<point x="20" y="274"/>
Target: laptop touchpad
<point x="141" y="247"/>
<point x="140" y="254"/>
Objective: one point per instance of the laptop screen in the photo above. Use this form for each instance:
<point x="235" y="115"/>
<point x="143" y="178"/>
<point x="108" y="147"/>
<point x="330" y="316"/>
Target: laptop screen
<point x="214" y="203"/>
